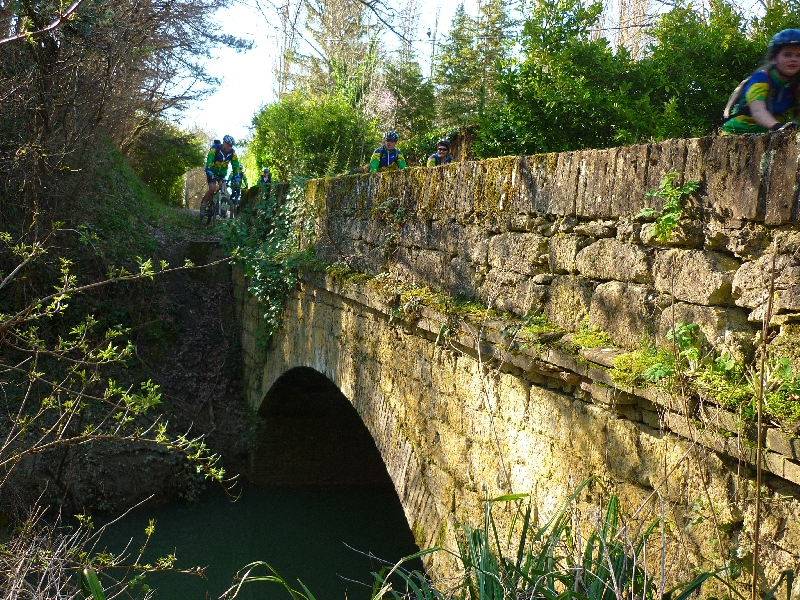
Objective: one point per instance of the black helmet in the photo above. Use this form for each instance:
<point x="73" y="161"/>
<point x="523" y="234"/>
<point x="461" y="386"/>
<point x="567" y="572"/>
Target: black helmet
<point x="228" y="140"/>
<point x="445" y="143"/>
<point x="265" y="170"/>
<point x="782" y="38"/>
<point x="391" y="136"/>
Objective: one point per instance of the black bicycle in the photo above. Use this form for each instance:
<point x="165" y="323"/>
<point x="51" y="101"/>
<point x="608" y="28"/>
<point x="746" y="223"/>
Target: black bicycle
<point x="210" y="211"/>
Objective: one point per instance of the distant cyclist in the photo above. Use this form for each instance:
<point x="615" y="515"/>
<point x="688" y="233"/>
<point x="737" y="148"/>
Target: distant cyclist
<point x="238" y="183"/>
<point x="264" y="183"/>
<point x="441" y="156"/>
<point x="387" y="157"/>
<point x="219" y="156"/>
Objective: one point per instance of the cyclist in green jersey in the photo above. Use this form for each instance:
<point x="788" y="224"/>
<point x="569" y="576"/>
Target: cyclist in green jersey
<point x="217" y="160"/>
<point x="441" y="156"/>
<point x="387" y="157"/>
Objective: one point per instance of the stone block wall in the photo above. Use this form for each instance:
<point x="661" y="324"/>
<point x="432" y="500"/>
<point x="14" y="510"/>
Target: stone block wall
<point x="453" y="433"/>
<point x="558" y="234"/>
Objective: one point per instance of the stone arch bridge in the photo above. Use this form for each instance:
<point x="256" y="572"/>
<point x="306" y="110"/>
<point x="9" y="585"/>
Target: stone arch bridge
<point x="392" y="348"/>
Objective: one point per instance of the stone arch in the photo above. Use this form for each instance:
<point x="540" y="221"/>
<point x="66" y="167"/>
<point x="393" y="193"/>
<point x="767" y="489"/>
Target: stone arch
<point x="310" y="434"/>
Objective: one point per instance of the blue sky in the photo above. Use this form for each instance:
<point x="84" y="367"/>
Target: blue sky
<point x="247" y="77"/>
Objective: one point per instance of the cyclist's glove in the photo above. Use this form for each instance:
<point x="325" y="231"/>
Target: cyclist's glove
<point x="209" y="172"/>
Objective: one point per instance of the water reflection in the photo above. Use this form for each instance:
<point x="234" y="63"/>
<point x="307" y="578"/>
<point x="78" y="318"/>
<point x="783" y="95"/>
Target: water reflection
<point x="299" y="531"/>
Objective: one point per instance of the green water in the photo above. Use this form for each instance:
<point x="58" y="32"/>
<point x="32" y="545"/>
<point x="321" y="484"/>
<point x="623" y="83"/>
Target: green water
<point x="301" y="532"/>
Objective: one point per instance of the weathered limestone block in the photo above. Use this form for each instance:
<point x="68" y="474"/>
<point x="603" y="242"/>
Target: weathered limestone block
<point x="687" y="234"/>
<point x="787" y="241"/>
<point x="532" y="183"/>
<point x="611" y="259"/>
<point x="518" y="252"/>
<point x="565" y="184"/>
<point x="512" y="292"/>
<point x="424" y="266"/>
<point x="751" y="283"/>
<point x="745" y="240"/>
<point x="695" y="276"/>
<point x="780" y="179"/>
<point x="596" y="182"/>
<point x="628" y="312"/>
<point x="597" y="229"/>
<point x="563" y="250"/>
<point x="628" y="230"/>
<point x="462" y="276"/>
<point x="629" y="177"/>
<point x="788" y="300"/>
<point x="664" y="158"/>
<point x="733" y="169"/>
<point x="569" y="298"/>
<point x="725" y="329"/>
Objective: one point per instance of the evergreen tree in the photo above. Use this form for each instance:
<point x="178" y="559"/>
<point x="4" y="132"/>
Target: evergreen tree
<point x="414" y="108"/>
<point x="467" y="63"/>
<point x="343" y="50"/>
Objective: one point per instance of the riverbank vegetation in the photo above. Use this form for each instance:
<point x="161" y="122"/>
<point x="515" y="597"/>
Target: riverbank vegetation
<point x="89" y="162"/>
<point x="588" y="548"/>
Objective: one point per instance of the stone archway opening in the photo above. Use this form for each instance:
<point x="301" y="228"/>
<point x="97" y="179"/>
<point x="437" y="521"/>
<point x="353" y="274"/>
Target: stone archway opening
<point x="310" y="434"/>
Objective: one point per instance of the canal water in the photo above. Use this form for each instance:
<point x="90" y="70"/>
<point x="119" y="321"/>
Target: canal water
<point x="303" y="532"/>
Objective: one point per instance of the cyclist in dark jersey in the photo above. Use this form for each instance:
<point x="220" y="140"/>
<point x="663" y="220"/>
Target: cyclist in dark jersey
<point x="387" y="157"/>
<point x="769" y="99"/>
<point x="441" y="156"/>
<point x="264" y="183"/>
<point x="217" y="160"/>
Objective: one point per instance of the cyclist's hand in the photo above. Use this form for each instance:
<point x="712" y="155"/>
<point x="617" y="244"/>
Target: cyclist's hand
<point x="209" y="172"/>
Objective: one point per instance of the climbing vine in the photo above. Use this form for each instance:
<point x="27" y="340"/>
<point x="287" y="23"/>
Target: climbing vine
<point x="270" y="243"/>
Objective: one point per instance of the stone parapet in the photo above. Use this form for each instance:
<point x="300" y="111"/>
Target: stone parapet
<point x="559" y="234"/>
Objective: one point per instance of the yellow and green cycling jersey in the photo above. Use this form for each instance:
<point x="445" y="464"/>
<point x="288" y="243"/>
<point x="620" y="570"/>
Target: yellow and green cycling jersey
<point x="384" y="159"/>
<point x="766" y="86"/>
<point x="239" y="184"/>
<point x="217" y="160"/>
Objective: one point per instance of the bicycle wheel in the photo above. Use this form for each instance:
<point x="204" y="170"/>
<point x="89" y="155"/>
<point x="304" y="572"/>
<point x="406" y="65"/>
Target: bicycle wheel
<point x="205" y="214"/>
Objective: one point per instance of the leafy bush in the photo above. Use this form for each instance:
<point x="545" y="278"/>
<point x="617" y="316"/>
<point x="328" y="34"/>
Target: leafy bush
<point x="161" y="156"/>
<point x="311" y="136"/>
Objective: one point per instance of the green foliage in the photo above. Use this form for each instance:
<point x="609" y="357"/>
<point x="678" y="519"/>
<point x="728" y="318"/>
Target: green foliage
<point x="570" y="90"/>
<point x="60" y="395"/>
<point x="467" y="63"/>
<point x="311" y="136"/>
<point x="630" y="368"/>
<point x="414" y="109"/>
<point x="781" y="390"/>
<point x="567" y="91"/>
<point x="651" y="365"/>
<point x="695" y="61"/>
<point x="674" y="201"/>
<point x="590" y="336"/>
<point x="161" y="156"/>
